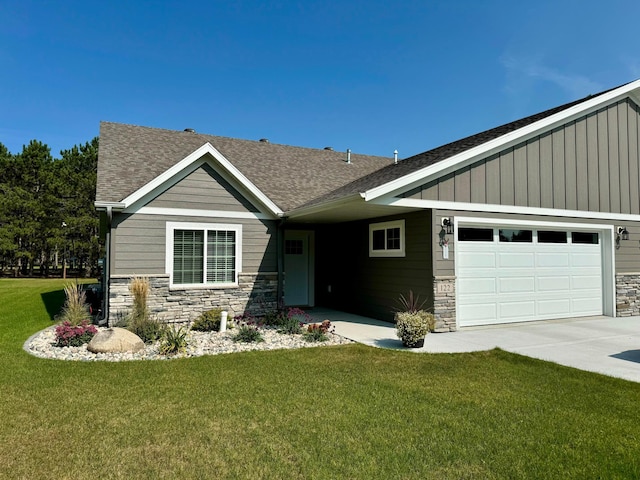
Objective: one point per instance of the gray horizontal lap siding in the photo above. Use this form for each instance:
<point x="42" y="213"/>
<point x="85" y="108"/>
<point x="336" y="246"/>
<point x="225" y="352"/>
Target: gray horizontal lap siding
<point x="590" y="164"/>
<point x="203" y="189"/>
<point x="139" y="243"/>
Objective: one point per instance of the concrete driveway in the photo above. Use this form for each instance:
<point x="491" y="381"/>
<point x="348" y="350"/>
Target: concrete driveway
<point x="606" y="345"/>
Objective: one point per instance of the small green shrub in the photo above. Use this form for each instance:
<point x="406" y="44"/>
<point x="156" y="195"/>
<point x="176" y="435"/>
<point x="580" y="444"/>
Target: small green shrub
<point x="248" y="334"/>
<point x="208" y="321"/>
<point x="68" y="335"/>
<point x="173" y="340"/>
<point x="290" y="326"/>
<point x="148" y="329"/>
<point x="75" y="310"/>
<point x="317" y="332"/>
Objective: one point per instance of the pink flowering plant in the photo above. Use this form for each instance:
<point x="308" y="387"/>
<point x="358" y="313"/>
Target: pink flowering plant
<point x="69" y="335"/>
<point x="318" y="332"/>
<point x="293" y="322"/>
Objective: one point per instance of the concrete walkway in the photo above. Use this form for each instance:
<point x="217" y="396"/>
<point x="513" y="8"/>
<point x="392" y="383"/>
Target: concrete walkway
<point x="606" y="345"/>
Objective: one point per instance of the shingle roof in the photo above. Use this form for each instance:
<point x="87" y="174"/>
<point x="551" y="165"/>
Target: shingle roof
<point x="131" y="156"/>
<point x="405" y="167"/>
<point x="292" y="177"/>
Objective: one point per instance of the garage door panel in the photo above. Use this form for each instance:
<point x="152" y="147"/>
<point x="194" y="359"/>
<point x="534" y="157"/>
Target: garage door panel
<point x="516" y="260"/>
<point x="554" y="308"/>
<point x="552" y="259"/>
<point x="478" y="314"/>
<point x="586" y="282"/>
<point x="586" y="306"/>
<point x="501" y="282"/>
<point x="586" y="259"/>
<point x="477" y="259"/>
<point x="517" y="310"/>
<point x="477" y="286"/>
<point x="517" y="284"/>
<point x="554" y="283"/>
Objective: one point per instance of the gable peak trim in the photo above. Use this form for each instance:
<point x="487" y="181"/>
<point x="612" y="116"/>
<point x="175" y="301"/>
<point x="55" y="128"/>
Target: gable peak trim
<point x="187" y="165"/>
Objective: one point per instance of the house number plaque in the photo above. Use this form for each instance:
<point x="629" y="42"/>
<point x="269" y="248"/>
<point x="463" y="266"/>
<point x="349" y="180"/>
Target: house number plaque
<point x="444" y="287"/>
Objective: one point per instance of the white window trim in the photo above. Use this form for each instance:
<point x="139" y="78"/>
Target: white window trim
<point x="384" y="226"/>
<point x="171" y="226"/>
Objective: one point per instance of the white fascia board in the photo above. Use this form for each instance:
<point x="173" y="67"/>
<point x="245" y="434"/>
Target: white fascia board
<point x="321" y="207"/>
<point x="190" y="161"/>
<point x="484" y="207"/>
<point x="497" y="144"/>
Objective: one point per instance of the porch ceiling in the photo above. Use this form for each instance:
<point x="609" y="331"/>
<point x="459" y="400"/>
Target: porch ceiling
<point x="346" y="211"/>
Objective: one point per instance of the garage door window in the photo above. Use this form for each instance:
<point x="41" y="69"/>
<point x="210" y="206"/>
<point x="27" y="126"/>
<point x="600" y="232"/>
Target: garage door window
<point x="525" y="236"/>
<point x="475" y="234"/>
<point x="550" y="236"/>
<point x="589" y="238"/>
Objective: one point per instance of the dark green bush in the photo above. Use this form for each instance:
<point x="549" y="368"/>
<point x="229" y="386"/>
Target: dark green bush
<point x="248" y="334"/>
<point x="208" y="321"/>
<point x="290" y="326"/>
<point x="147" y="328"/>
<point x="174" y="340"/>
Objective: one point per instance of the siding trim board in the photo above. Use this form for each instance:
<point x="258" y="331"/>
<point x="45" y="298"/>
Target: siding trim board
<point x="183" y="212"/>
<point x="483" y="207"/>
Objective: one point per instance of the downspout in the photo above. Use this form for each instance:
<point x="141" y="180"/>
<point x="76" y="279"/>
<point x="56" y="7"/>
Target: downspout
<point x="107" y="269"/>
<point x="280" y="261"/>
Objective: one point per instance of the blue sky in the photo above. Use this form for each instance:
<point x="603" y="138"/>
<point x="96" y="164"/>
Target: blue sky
<point x="371" y="75"/>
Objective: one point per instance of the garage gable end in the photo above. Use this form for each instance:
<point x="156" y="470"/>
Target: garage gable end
<point x="591" y="163"/>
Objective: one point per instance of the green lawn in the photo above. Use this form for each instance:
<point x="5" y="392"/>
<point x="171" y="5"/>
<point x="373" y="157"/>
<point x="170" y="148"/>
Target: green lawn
<point x="332" y="412"/>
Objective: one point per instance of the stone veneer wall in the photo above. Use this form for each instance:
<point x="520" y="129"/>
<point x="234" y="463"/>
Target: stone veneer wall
<point x="444" y="303"/>
<point x="627" y="294"/>
<point x="256" y="293"/>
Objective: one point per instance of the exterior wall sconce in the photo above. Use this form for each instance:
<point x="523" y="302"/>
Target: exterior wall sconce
<point x="623" y="234"/>
<point x="447" y="223"/>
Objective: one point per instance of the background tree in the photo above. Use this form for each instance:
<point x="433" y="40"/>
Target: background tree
<point x="46" y="207"/>
<point x="78" y="168"/>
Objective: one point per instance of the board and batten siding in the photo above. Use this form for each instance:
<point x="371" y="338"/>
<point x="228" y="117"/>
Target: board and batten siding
<point x="590" y="164"/>
<point x="139" y="243"/>
<point x="203" y="189"/>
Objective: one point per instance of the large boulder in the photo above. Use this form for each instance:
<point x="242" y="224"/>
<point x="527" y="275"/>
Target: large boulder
<point x="115" y="340"/>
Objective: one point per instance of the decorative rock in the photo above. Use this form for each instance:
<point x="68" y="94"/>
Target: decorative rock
<point x="43" y="345"/>
<point x="115" y="340"/>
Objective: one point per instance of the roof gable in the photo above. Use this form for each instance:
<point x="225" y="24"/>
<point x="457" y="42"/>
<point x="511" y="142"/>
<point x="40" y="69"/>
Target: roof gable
<point x="132" y="160"/>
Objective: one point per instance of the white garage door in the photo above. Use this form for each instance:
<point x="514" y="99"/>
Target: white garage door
<point x="514" y="275"/>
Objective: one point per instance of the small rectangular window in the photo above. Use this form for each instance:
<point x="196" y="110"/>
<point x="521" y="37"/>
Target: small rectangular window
<point x="475" y="234"/>
<point x="507" y="235"/>
<point x="550" y="236"/>
<point x="585" y="237"/>
<point x="386" y="239"/>
<point x="293" y="247"/>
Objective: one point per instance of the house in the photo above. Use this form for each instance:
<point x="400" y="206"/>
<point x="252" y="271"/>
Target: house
<point x="536" y="219"/>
